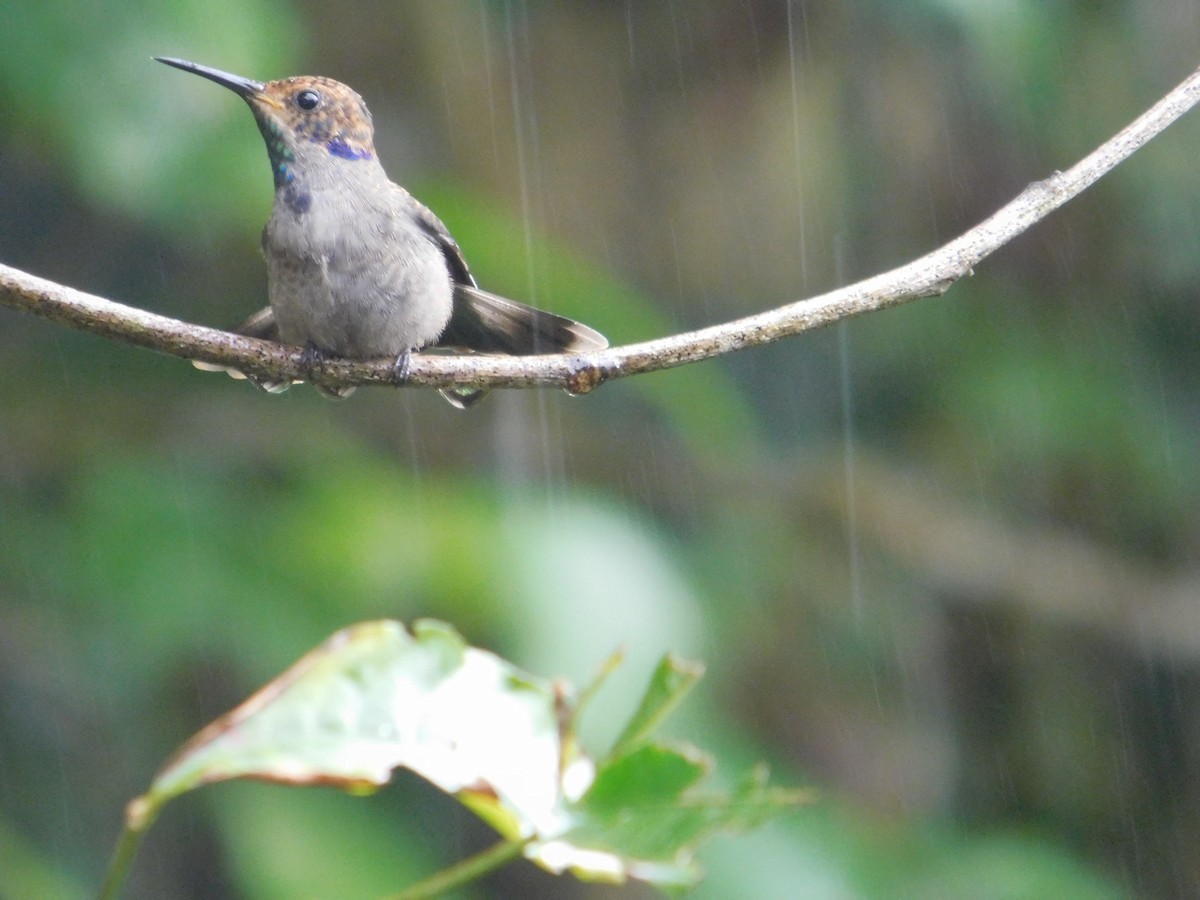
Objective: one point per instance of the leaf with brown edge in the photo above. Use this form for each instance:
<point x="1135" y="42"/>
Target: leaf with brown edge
<point x="373" y="698"/>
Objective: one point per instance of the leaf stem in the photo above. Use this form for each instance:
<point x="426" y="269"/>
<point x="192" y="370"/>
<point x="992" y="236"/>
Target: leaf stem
<point x="470" y="869"/>
<point x="127" y="846"/>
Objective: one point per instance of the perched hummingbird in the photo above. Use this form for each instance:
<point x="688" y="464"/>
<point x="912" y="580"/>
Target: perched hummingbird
<point x="356" y="266"/>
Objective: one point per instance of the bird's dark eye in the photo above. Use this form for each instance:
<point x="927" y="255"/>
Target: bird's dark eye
<point x="308" y="99"/>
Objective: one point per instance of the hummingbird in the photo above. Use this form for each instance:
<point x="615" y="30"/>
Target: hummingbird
<point x="356" y="266"/>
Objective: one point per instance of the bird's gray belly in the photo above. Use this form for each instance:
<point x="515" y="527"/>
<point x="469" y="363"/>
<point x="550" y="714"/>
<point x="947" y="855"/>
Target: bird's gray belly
<point x="362" y="305"/>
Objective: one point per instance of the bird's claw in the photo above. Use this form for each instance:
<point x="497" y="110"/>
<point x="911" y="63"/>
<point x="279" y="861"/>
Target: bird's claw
<point x="402" y="368"/>
<point x="311" y="359"/>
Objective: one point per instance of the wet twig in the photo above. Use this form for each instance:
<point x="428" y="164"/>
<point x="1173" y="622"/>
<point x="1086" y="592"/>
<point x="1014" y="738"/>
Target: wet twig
<point x="929" y="275"/>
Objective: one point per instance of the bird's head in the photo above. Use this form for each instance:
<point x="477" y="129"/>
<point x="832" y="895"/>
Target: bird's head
<point x="295" y="112"/>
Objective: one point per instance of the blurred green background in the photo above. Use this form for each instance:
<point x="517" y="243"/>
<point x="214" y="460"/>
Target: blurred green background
<point x="942" y="562"/>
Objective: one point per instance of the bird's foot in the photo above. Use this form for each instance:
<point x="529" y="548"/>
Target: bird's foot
<point x="312" y="360"/>
<point x="402" y="368"/>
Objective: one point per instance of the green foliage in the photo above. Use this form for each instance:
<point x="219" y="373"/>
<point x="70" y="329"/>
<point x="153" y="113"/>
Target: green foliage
<point x="127" y="134"/>
<point x="27" y="872"/>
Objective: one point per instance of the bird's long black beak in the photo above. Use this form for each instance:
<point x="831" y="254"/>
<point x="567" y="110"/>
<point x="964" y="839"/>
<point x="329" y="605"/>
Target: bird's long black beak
<point x="244" y="87"/>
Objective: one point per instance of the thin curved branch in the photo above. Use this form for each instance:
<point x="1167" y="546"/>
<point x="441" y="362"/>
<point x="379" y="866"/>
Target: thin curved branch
<point x="931" y="274"/>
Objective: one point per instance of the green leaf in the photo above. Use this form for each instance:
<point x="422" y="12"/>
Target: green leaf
<point x="652" y="774"/>
<point x="373" y="698"/>
<point x="643" y="818"/>
<point x="672" y="681"/>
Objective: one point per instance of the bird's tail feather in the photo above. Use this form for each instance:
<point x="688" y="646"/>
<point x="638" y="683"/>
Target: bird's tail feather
<point x="487" y="323"/>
